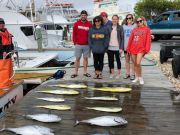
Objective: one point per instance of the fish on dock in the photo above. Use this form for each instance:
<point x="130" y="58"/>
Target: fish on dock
<point x="44" y="117"/>
<point x="112" y="89"/>
<point x="60" y="92"/>
<point x="55" y="107"/>
<point x="52" y="99"/>
<point x="105" y="98"/>
<point x="30" y="130"/>
<point x="71" y="86"/>
<point x="106" y="109"/>
<point x="105" y="121"/>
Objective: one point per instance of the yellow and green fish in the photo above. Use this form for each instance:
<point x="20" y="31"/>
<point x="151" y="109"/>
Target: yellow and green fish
<point x="71" y="86"/>
<point x="60" y="92"/>
<point x="112" y="89"/>
<point x="55" y="107"/>
<point x="106" y="109"/>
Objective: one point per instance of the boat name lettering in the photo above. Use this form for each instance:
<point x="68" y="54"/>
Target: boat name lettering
<point x="6" y="106"/>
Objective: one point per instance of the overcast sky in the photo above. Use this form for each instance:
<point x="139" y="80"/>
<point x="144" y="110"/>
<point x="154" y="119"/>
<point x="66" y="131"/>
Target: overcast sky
<point x="79" y="4"/>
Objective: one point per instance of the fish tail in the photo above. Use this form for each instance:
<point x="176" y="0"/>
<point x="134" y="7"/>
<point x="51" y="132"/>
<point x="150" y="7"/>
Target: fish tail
<point x="77" y="122"/>
<point x="3" y="128"/>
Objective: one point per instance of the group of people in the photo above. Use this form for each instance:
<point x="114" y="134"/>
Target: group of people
<point x="133" y="38"/>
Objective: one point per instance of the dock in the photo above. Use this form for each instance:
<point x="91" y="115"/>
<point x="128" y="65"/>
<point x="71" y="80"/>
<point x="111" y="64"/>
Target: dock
<point x="149" y="108"/>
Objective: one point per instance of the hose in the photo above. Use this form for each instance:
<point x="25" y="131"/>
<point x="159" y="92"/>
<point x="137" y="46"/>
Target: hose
<point x="154" y="62"/>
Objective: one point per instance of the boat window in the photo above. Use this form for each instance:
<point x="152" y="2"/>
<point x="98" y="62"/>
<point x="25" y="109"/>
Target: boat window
<point x="53" y="27"/>
<point x="163" y="17"/>
<point x="104" y="5"/>
<point x="27" y="30"/>
<point x="176" y="16"/>
<point x="58" y="27"/>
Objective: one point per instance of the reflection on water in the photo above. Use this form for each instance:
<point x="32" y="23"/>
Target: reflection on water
<point x="133" y="112"/>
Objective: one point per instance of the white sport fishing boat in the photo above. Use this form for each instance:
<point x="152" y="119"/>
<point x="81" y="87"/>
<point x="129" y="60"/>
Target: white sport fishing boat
<point x="109" y="6"/>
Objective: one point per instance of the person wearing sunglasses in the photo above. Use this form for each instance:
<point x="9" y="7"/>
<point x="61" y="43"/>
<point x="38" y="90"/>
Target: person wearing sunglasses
<point x="116" y="45"/>
<point x="98" y="40"/>
<point x="128" y="26"/>
<point x="139" y="44"/>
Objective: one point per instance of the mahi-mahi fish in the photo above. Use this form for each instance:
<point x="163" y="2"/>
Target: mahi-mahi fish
<point x="52" y="99"/>
<point x="106" y="98"/>
<point x="60" y="92"/>
<point x="30" y="130"/>
<point x="71" y="86"/>
<point x="44" y="117"/>
<point x="113" y="89"/>
<point x="105" y="121"/>
<point x="55" y="107"/>
<point x="106" y="109"/>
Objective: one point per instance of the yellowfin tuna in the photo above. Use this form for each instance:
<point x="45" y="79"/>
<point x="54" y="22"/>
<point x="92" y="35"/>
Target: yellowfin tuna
<point x="113" y="89"/>
<point x="71" y="86"/>
<point x="106" y="109"/>
<point x="60" y="92"/>
<point x="106" y="98"/>
<point x="52" y="99"/>
<point x="55" y="107"/>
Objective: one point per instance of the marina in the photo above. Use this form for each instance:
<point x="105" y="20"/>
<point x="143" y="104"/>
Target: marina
<point x="45" y="100"/>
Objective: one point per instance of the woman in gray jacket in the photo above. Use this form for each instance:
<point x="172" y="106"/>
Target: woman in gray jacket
<point x="116" y="45"/>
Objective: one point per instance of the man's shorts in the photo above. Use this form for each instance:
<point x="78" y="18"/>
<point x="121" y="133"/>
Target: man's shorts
<point x="82" y="49"/>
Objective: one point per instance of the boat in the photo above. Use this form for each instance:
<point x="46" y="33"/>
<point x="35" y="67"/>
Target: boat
<point x="10" y="96"/>
<point x="109" y="6"/>
<point x="28" y="55"/>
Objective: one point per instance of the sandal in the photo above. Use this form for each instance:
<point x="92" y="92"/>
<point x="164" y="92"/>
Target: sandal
<point x="87" y="75"/>
<point x="100" y="76"/>
<point x="96" y="76"/>
<point x="74" y="75"/>
<point x="127" y="76"/>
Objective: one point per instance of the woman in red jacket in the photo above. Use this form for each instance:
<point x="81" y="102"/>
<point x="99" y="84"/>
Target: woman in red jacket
<point x="139" y="44"/>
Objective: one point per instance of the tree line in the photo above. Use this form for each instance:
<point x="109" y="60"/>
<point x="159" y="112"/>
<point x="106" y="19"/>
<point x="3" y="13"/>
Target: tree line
<point x="151" y="8"/>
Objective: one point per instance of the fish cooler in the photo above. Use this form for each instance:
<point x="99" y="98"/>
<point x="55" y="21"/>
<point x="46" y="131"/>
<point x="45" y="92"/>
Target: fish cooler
<point x="166" y="51"/>
<point x="176" y="62"/>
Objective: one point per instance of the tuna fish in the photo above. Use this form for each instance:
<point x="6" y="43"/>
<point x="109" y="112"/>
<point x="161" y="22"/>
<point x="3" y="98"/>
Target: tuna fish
<point x="30" y="130"/>
<point x="52" y="99"/>
<point x="106" y="109"/>
<point x="44" y="117"/>
<point x="113" y="89"/>
<point x="71" y="86"/>
<point x="102" y="98"/>
<point x="60" y="92"/>
<point x="105" y="121"/>
<point x="55" y="107"/>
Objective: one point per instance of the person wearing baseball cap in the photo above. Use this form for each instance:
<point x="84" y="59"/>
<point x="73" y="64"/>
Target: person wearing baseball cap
<point x="80" y="40"/>
<point x="106" y="21"/>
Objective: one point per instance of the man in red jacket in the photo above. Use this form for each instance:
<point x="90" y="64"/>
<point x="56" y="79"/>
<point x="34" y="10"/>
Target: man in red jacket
<point x="80" y="39"/>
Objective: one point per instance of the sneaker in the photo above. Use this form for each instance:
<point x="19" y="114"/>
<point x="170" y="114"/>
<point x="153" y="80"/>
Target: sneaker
<point x="111" y="76"/>
<point x="118" y="76"/>
<point x="126" y="77"/>
<point x="141" y="81"/>
<point x="132" y="77"/>
<point x="135" y="80"/>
